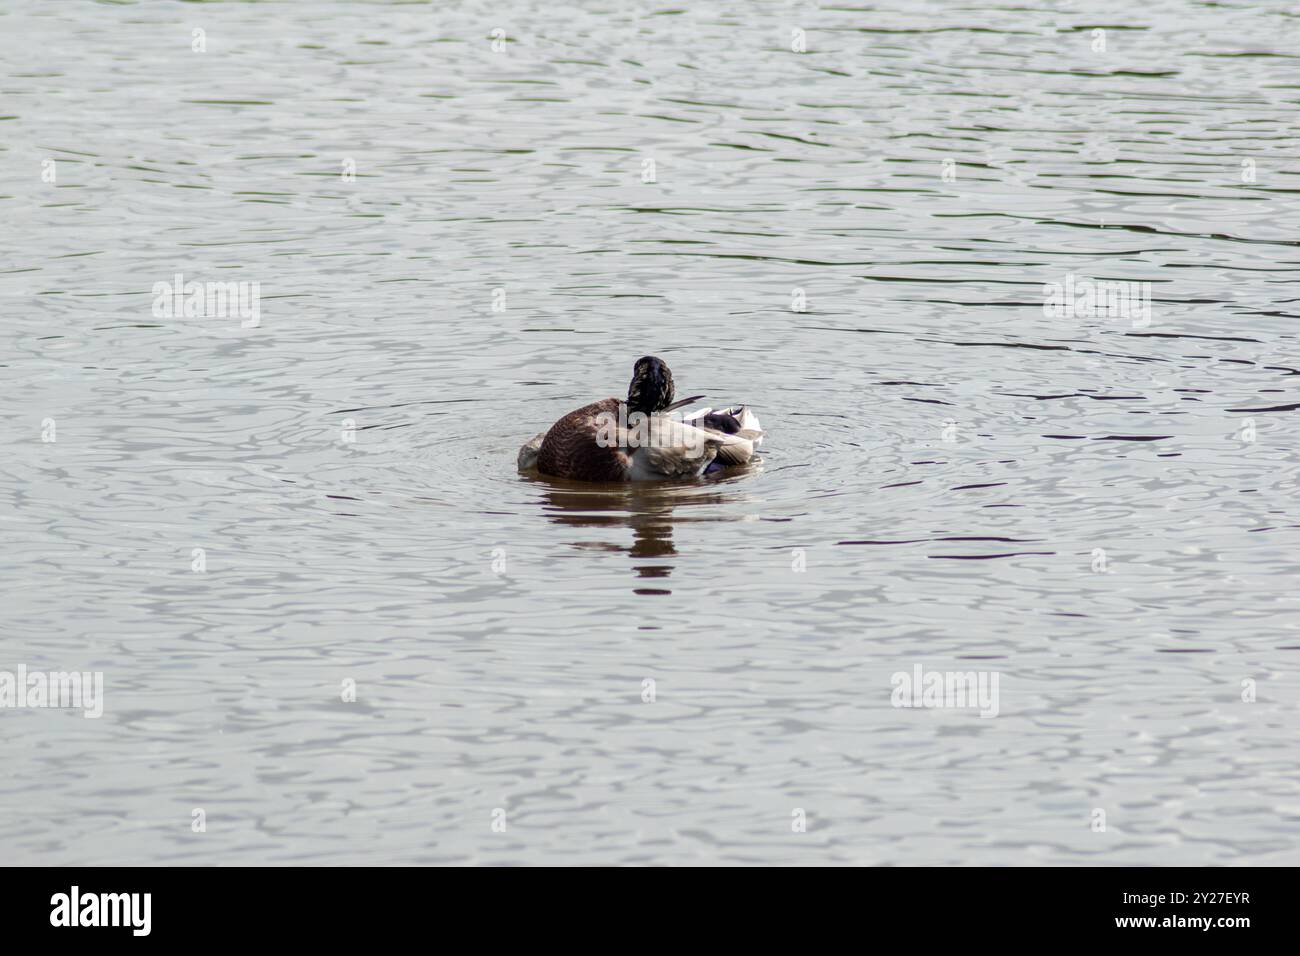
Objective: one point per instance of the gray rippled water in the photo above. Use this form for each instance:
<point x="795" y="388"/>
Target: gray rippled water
<point x="466" y="219"/>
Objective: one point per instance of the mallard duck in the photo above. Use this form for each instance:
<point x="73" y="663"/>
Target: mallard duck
<point x="636" y="440"/>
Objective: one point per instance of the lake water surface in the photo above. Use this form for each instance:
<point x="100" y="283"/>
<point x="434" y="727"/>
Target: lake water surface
<point x="460" y="237"/>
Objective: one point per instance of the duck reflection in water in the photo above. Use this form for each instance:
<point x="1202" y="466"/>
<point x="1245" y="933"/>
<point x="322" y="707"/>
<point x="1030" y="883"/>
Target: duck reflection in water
<point x="650" y="510"/>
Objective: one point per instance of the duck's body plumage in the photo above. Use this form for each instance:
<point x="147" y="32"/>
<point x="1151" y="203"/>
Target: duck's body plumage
<point x="570" y="448"/>
<point x="595" y="442"/>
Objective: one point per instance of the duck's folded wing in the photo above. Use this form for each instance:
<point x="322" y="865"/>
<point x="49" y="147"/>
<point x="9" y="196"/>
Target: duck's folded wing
<point x="738" y="449"/>
<point x="672" y="449"/>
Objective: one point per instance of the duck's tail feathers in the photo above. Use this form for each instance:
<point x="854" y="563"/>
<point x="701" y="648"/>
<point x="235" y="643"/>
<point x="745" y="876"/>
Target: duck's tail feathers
<point x="530" y="451"/>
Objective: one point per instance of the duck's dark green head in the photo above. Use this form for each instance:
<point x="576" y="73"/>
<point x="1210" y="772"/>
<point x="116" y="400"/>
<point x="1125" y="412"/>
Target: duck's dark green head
<point x="651" y="388"/>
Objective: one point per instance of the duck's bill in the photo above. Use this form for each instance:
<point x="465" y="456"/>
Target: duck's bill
<point x="680" y="402"/>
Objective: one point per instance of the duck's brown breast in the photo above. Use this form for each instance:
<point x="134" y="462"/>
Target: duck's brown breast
<point x="570" y="449"/>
